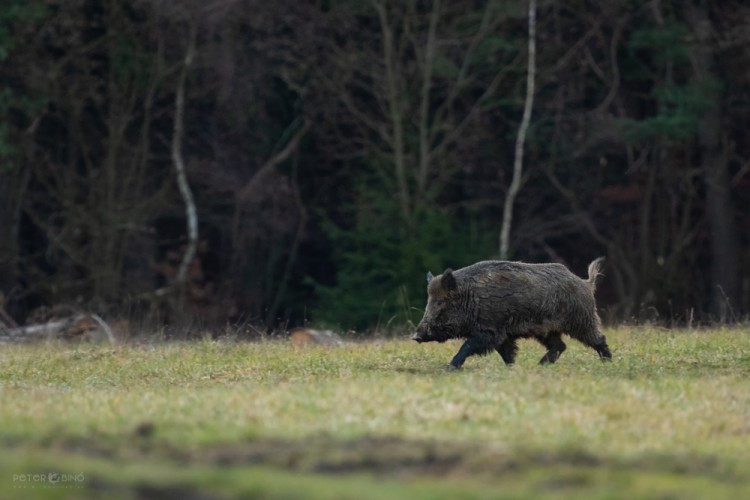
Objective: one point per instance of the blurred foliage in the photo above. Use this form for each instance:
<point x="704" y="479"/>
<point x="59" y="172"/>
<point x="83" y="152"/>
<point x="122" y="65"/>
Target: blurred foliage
<point x="617" y="161"/>
<point x="6" y="149"/>
<point x="664" y="43"/>
<point x="678" y="101"/>
<point x="382" y="262"/>
<point x="679" y="110"/>
<point x="11" y="14"/>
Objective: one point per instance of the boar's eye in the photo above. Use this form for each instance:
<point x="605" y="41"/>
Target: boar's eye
<point x="440" y="305"/>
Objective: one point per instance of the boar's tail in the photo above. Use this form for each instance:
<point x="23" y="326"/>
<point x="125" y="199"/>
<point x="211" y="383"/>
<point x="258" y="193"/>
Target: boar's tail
<point x="595" y="270"/>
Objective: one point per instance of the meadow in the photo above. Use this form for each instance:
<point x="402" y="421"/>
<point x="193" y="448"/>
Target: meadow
<point x="669" y="417"/>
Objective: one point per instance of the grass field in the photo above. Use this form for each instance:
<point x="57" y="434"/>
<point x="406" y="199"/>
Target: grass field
<point x="668" y="418"/>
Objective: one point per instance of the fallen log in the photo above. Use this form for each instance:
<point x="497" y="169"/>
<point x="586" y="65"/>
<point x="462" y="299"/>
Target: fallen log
<point x="81" y="326"/>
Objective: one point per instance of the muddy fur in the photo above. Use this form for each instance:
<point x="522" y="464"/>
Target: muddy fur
<point x="491" y="304"/>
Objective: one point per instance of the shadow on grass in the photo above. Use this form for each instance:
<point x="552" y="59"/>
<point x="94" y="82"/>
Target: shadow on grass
<point x="167" y="472"/>
<point x="380" y="455"/>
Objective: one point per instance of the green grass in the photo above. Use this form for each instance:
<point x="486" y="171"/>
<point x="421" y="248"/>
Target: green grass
<point x="384" y="419"/>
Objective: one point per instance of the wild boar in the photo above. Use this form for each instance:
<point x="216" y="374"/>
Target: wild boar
<point x="492" y="304"/>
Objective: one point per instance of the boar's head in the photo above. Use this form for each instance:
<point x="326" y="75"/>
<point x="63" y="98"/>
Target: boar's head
<point x="443" y="318"/>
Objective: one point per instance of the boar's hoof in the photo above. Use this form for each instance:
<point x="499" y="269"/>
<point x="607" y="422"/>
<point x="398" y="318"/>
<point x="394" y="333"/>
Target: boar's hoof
<point x="452" y="368"/>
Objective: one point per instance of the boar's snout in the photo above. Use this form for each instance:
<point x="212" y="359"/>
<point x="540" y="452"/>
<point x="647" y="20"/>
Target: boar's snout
<point x="420" y="335"/>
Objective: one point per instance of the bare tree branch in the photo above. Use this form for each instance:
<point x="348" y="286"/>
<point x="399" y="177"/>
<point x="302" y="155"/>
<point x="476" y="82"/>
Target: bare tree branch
<point x="5" y="319"/>
<point x="179" y="164"/>
<point x="424" y="132"/>
<point x="249" y="188"/>
<point x="515" y="184"/>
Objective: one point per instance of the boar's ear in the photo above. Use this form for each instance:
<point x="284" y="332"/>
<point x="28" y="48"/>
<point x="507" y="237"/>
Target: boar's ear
<point x="448" y="280"/>
<point x="429" y="277"/>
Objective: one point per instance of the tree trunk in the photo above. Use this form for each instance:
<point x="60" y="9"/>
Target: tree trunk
<point x="395" y="110"/>
<point x="724" y="282"/>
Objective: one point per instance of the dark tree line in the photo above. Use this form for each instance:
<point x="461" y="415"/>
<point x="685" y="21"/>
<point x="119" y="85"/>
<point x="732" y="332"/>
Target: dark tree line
<point x="337" y="150"/>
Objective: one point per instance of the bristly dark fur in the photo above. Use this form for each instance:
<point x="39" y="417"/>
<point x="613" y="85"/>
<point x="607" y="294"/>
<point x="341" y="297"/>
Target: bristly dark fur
<point x="493" y="303"/>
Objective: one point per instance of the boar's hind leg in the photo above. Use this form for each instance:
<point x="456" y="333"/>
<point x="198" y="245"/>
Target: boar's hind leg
<point x="602" y="348"/>
<point x="474" y="345"/>
<point x="555" y="346"/>
<point x="598" y="342"/>
<point x="507" y="351"/>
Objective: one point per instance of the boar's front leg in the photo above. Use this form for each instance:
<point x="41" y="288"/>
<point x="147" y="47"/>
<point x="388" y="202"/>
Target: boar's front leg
<point x="480" y="344"/>
<point x="474" y="345"/>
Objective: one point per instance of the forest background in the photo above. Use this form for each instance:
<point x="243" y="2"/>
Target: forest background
<point x="337" y="150"/>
